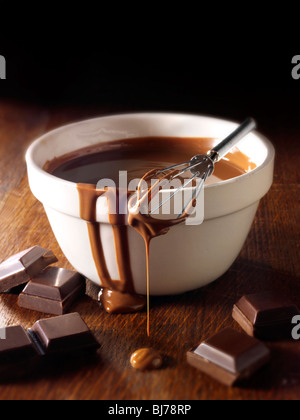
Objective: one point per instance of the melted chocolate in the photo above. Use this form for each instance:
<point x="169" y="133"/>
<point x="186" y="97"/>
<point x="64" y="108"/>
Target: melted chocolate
<point x="146" y="359"/>
<point x="137" y="156"/>
<point x="149" y="228"/>
<point x="115" y="302"/>
<point x="88" y="195"/>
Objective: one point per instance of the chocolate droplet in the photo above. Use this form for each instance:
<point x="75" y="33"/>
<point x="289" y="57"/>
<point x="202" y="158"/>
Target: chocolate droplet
<point x="146" y="359"/>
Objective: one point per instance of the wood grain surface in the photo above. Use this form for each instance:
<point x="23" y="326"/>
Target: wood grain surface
<point x="268" y="260"/>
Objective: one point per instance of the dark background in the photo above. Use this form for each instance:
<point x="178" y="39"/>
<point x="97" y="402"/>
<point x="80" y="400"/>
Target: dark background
<point x="122" y="59"/>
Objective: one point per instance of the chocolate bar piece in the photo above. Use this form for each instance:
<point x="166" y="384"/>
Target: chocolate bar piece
<point x="47" y="337"/>
<point x="62" y="334"/>
<point x="20" y="268"/>
<point x="15" y="345"/>
<point x="267" y="315"/>
<point x="229" y="356"/>
<point x="53" y="291"/>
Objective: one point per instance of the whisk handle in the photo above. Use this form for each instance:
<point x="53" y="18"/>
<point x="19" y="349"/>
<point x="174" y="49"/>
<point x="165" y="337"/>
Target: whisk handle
<point x="220" y="150"/>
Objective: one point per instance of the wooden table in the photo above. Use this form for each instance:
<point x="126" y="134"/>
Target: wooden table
<point x="269" y="260"/>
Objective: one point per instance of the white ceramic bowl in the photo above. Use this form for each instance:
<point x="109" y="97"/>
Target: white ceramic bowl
<point x="186" y="258"/>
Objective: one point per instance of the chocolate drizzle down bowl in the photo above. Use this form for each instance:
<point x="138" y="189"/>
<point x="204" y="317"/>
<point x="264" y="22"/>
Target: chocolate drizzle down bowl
<point x="64" y="166"/>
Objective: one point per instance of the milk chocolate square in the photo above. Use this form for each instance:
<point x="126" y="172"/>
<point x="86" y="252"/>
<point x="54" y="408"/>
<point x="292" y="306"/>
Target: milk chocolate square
<point x="229" y="356"/>
<point x="53" y="291"/>
<point x="267" y="315"/>
<point x="20" y="268"/>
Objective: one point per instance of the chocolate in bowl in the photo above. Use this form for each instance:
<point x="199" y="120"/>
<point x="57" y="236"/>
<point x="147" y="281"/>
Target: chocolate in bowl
<point x="187" y="257"/>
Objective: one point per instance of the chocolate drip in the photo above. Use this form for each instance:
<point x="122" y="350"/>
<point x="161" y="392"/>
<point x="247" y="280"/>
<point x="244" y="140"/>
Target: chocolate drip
<point x="149" y="228"/>
<point x="88" y="196"/>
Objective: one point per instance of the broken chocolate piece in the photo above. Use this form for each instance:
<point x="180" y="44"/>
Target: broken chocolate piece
<point x="24" y="351"/>
<point x="267" y="315"/>
<point x="229" y="356"/>
<point x="20" y="268"/>
<point x="62" y="334"/>
<point x="53" y="291"/>
<point x="15" y="345"/>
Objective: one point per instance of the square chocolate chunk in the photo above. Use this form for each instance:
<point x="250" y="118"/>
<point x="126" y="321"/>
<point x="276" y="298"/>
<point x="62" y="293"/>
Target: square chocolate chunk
<point x="25" y="353"/>
<point x="53" y="291"/>
<point x="20" y="268"/>
<point x="229" y="356"/>
<point x="63" y="333"/>
<point x="267" y="315"/>
<point x="15" y="345"/>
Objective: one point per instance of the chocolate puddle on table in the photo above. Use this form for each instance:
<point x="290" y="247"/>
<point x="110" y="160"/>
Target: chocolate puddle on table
<point x="136" y="156"/>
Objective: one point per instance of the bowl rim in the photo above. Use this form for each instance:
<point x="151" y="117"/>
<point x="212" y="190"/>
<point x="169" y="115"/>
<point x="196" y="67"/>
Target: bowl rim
<point x="35" y="144"/>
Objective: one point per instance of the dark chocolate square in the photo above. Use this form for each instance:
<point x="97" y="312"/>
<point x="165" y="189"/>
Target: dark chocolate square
<point x="15" y="345"/>
<point x="267" y="315"/>
<point x="229" y="356"/>
<point x="20" y="268"/>
<point x="63" y="334"/>
<point x="53" y="291"/>
<point x="25" y="353"/>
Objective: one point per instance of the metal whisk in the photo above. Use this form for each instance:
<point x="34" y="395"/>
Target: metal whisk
<point x="199" y="166"/>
